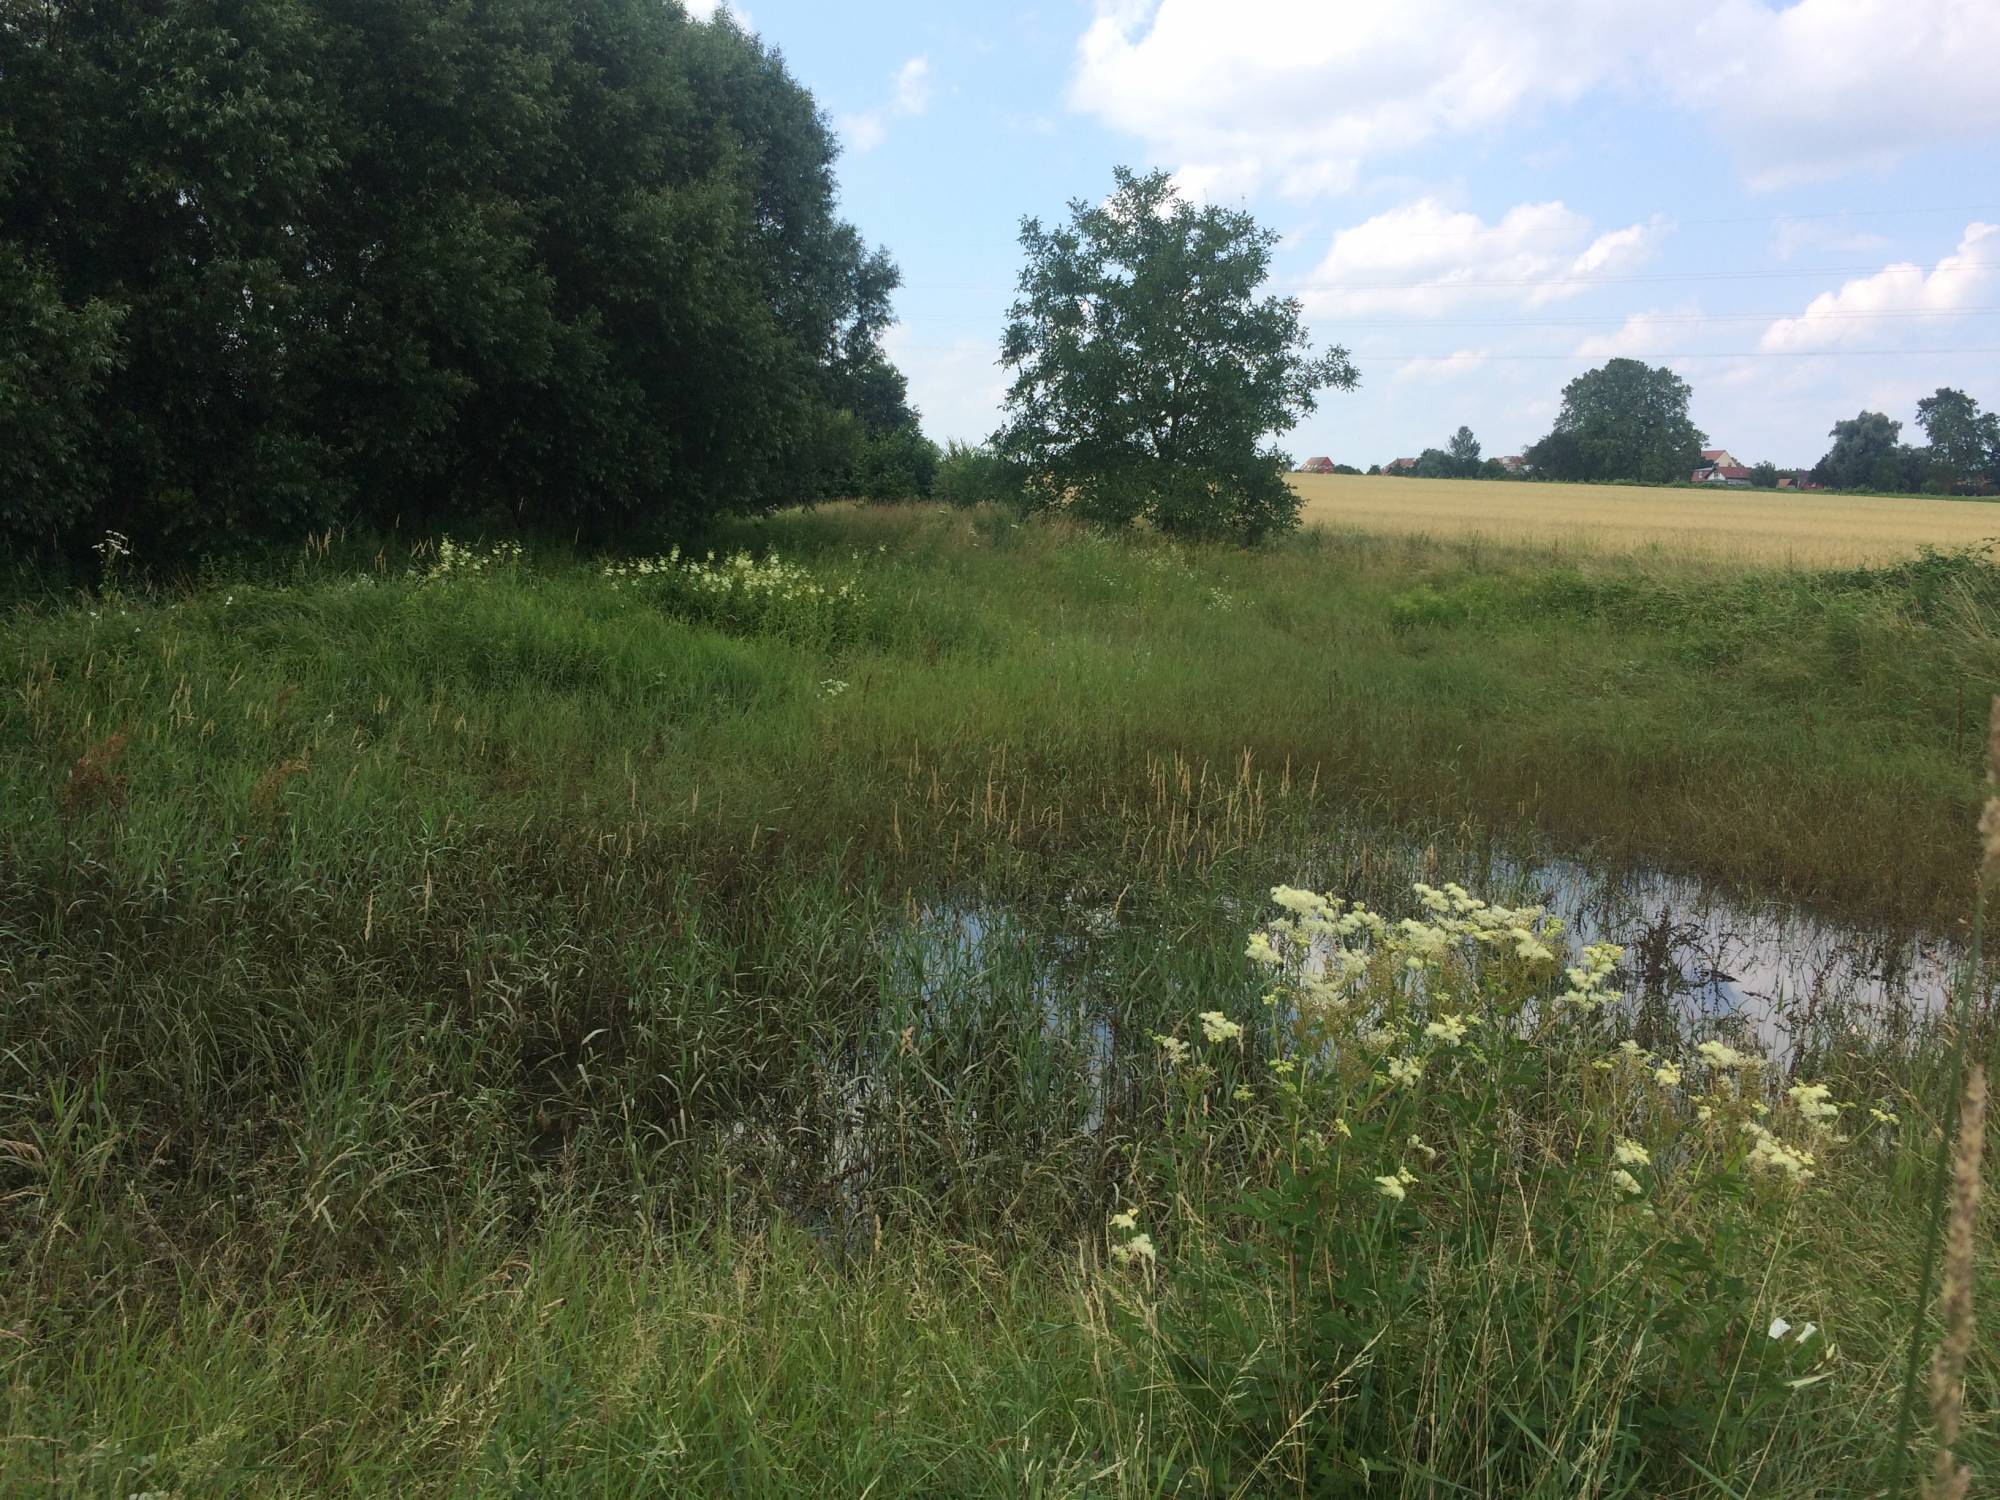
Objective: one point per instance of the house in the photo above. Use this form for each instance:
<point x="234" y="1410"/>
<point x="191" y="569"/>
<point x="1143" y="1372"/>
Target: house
<point x="1719" y="458"/>
<point x="1399" y="466"/>
<point x="1316" y="466"/>
<point x="1513" y="463"/>
<point x="1721" y="474"/>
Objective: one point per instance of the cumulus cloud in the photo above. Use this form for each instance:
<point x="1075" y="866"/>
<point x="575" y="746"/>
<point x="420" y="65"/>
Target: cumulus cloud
<point x="1643" y="335"/>
<point x="1439" y="369"/>
<point x="1848" y="316"/>
<point x="1300" y="94"/>
<point x="910" y="95"/>
<point x="1423" y="259"/>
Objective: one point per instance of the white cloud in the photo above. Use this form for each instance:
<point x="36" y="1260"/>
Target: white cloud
<point x="958" y="387"/>
<point x="910" y="96"/>
<point x="1831" y="319"/>
<point x="1643" y="335"/>
<point x="913" y="86"/>
<point x="1436" y="371"/>
<point x="1790" y="236"/>
<point x="1424" y="259"/>
<point x="1299" y="94"/>
<point x="1822" y="87"/>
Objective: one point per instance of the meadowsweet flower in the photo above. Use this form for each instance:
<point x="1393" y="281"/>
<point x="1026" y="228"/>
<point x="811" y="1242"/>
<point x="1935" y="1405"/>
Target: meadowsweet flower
<point x="1416" y="1143"/>
<point x="1298" y="902"/>
<point x="1667" y="1076"/>
<point x="1448" y="1029"/>
<point x="1883" y="1116"/>
<point x="1284" y="1067"/>
<point x="1139" y="1247"/>
<point x="1770" y="1155"/>
<point x="1405" y="1071"/>
<point x="1378" y="1039"/>
<point x="1342" y="1128"/>
<point x="1633" y="1050"/>
<point x="1392" y="1188"/>
<point x="1722" y="1055"/>
<point x="1625" y="1182"/>
<point x="1174" y="1047"/>
<point x="1242" y="1095"/>
<point x="1812" y="1102"/>
<point x="1259" y="949"/>
<point x="1126" y="1220"/>
<point x="1219" y="1028"/>
<point x="1629" y="1153"/>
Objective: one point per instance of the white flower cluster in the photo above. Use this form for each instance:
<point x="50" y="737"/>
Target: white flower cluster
<point x="766" y="595"/>
<point x="454" y="562"/>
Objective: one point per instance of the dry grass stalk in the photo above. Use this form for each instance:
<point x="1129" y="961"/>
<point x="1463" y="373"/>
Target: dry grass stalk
<point x="1949" y="1479"/>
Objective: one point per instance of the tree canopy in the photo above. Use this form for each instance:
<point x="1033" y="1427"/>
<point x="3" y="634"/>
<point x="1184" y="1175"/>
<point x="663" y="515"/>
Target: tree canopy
<point x="273" y="264"/>
<point x="1624" y="420"/>
<point x="1964" y="442"/>
<point x="1149" y="375"/>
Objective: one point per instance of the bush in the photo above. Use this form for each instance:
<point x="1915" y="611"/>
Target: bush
<point x="975" y="476"/>
<point x="1430" y="1126"/>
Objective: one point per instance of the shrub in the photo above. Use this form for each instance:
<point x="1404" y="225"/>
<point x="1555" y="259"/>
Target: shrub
<point x="1430" y="1126"/>
<point x="968" y="475"/>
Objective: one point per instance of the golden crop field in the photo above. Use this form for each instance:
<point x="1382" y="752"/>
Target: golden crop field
<point x="1766" y="526"/>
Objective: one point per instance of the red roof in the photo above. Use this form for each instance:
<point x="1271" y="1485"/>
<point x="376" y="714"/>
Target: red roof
<point x="1712" y="454"/>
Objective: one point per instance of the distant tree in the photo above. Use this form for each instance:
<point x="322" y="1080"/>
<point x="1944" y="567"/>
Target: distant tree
<point x="1149" y="375"/>
<point x="968" y="475"/>
<point x="1345" y="469"/>
<point x="1865" y="454"/>
<point x="1492" y="468"/>
<point x="1764" y="476"/>
<point x="1374" y="468"/>
<point x="1435" y="463"/>
<point x="1963" y="441"/>
<point x="1464" y="451"/>
<point x="1560" y="455"/>
<point x="1624" y="420"/>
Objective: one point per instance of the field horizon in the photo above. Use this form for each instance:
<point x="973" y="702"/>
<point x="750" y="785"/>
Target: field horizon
<point x="1749" y="526"/>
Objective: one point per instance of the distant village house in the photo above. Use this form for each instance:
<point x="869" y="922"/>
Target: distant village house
<point x="1399" y="466"/>
<point x="1316" y="466"/>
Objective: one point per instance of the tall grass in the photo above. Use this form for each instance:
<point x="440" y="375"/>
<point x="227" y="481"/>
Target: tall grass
<point x="469" y="1028"/>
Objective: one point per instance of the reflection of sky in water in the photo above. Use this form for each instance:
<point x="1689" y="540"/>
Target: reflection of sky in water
<point x="1783" y="974"/>
<point x="1767" y="973"/>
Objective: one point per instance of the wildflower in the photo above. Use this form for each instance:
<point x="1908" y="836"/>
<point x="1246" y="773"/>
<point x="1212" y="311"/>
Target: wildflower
<point x="1125" y="1221"/>
<point x="1242" y="1095"/>
<point x="1284" y="1067"/>
<point x="1625" y="1182"/>
<point x="1259" y="949"/>
<point x="1139" y="1247"/>
<point x="1448" y="1029"/>
<point x="1629" y="1153"/>
<point x="1722" y="1055"/>
<point x="1405" y="1071"/>
<point x="1391" y="1188"/>
<point x="1416" y="1143"/>
<point x="1174" y="1047"/>
<point x="1704" y="1112"/>
<point x="1667" y="1076"/>
<point x="1769" y="1154"/>
<point x="1219" y="1028"/>
<point x="833" y="687"/>
<point x="1299" y="903"/>
<point x="1632" y="1050"/>
<point x="1378" y="1039"/>
<point x="1342" y="1128"/>
<point x="1812" y="1102"/>
<point x="1883" y="1116"/>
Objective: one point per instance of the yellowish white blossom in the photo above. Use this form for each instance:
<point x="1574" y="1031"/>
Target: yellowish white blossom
<point x="1624" y="1181"/>
<point x="1219" y="1028"/>
<point x="1629" y="1153"/>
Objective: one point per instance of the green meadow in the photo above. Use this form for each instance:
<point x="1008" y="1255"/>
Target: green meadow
<point x="480" y="1021"/>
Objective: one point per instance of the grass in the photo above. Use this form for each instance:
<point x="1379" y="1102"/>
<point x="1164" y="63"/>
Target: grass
<point x="1753" y="527"/>
<point x="529" y="1031"/>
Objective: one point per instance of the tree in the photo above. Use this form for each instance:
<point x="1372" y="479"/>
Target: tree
<point x="1764" y="476"/>
<point x="1464" y="454"/>
<point x="1865" y="454"/>
<point x="298" y="262"/>
<point x="1964" y="443"/>
<point x="1622" y="421"/>
<point x="1435" y="463"/>
<point x="1148" y="374"/>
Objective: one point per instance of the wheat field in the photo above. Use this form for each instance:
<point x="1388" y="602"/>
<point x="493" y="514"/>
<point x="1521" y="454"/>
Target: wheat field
<point x="1763" y="526"/>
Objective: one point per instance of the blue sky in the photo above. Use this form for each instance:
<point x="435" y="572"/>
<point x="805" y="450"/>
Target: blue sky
<point x="1789" y="204"/>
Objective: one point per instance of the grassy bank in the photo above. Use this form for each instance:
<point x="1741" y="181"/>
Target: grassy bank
<point x="479" y="1024"/>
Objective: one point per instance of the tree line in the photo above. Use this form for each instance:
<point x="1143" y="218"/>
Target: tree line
<point x="270" y="265"/>
<point x="1627" y="423"/>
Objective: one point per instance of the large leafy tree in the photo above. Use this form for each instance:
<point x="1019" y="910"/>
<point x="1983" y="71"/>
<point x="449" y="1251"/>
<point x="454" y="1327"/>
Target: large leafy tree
<point x="1867" y="454"/>
<point x="1624" y="420"/>
<point x="1149" y="376"/>
<point x="1964" y="442"/>
<point x="289" y="262"/>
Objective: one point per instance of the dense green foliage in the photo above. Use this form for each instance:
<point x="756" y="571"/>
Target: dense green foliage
<point x="268" y="265"/>
<point x="1624" y="420"/>
<point x="1148" y="373"/>
<point x="1961" y="457"/>
<point x="975" y="475"/>
<point x="484" y="1023"/>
